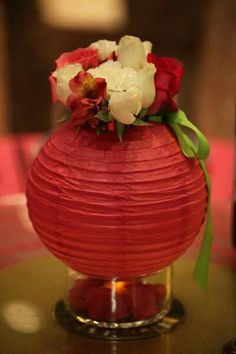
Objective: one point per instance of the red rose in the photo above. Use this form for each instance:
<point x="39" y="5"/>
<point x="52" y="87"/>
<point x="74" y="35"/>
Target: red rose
<point x="167" y="82"/>
<point x="88" y="93"/>
<point x="87" y="57"/>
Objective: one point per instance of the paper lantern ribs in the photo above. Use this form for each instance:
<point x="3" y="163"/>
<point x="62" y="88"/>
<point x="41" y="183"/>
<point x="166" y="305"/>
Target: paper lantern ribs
<point x="115" y="209"/>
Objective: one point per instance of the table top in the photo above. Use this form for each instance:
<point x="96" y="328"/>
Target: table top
<point x="31" y="281"/>
<point x="30" y="290"/>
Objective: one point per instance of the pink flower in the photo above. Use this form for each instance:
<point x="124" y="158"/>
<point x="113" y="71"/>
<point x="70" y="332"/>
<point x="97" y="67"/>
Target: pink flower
<point x="87" y="57"/>
<point x="88" y="93"/>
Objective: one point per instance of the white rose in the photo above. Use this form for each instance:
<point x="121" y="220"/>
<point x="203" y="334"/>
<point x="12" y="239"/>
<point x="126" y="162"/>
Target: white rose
<point x="146" y="81"/>
<point x="63" y="76"/>
<point x="147" y="47"/>
<point x="132" y="52"/>
<point x="120" y="79"/>
<point x="117" y="78"/>
<point x="124" y="105"/>
<point x="104" y="47"/>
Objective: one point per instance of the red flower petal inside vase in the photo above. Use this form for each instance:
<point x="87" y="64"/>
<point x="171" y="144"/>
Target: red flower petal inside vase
<point x="78" y="294"/>
<point x="142" y="301"/>
<point x="105" y="305"/>
<point x="160" y="291"/>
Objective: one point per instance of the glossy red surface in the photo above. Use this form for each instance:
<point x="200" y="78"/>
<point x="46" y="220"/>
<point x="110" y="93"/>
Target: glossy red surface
<point x="112" y="209"/>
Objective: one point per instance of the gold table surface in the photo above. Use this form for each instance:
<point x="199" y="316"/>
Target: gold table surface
<point x="30" y="290"/>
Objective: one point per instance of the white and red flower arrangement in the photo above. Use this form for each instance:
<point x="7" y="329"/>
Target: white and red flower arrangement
<point x="109" y="86"/>
<point x="103" y="207"/>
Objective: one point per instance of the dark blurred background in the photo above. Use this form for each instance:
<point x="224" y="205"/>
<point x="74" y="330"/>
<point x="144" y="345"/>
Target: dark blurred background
<point x="201" y="33"/>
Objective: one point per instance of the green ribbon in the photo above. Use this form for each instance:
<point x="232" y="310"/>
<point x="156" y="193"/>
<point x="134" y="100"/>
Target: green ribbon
<point x="177" y="121"/>
<point x="194" y="146"/>
<point x="201" y="270"/>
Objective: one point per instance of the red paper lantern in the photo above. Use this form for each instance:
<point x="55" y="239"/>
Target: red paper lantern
<point x="111" y="209"/>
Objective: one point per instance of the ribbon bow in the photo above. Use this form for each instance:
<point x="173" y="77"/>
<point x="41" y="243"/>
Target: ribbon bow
<point x="194" y="147"/>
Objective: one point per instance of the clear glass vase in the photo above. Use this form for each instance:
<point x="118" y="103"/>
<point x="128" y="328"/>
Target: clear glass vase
<point x="119" y="303"/>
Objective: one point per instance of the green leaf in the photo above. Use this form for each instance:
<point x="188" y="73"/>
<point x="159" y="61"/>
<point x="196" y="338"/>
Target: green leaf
<point x="100" y="128"/>
<point x="156" y="119"/>
<point x="110" y="118"/>
<point x="105" y="102"/>
<point x="120" y="130"/>
<point x="102" y="115"/>
<point x="142" y="113"/>
<point x="139" y="122"/>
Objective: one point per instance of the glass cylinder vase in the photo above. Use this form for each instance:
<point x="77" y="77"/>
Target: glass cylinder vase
<point x="119" y="303"/>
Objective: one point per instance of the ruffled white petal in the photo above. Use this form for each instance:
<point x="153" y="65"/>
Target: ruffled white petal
<point x="120" y="79"/>
<point x="105" y="48"/>
<point x="63" y="76"/>
<point x="147" y="47"/>
<point x="117" y="78"/>
<point x="146" y="81"/>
